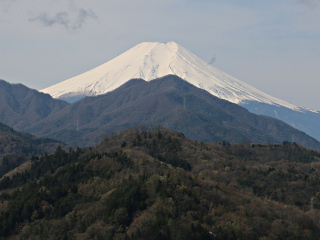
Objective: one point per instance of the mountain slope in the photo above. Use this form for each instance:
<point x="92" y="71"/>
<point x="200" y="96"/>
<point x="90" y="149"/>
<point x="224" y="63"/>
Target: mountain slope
<point x="21" y="106"/>
<point x="16" y="147"/>
<point x="170" y="102"/>
<point x="304" y="120"/>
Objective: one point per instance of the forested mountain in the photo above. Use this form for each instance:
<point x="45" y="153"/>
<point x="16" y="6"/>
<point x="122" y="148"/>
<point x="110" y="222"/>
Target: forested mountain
<point x="21" y="106"/>
<point x="170" y="102"/>
<point x="157" y="184"/>
<point x="16" y="147"/>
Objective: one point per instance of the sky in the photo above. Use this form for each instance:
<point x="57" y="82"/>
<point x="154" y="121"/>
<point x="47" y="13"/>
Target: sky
<point x="272" y="45"/>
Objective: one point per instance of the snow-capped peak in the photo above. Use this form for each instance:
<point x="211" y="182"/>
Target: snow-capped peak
<point x="151" y="60"/>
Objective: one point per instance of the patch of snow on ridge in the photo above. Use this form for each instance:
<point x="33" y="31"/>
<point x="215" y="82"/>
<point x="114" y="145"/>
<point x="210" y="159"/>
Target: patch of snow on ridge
<point x="151" y="60"/>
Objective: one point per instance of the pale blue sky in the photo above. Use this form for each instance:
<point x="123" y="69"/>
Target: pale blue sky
<point x="272" y="45"/>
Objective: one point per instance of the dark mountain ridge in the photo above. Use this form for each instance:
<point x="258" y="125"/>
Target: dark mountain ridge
<point x="21" y="106"/>
<point x="168" y="101"/>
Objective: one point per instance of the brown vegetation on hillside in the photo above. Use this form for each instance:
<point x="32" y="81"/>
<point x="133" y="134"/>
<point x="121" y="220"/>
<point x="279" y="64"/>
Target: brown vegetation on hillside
<point x="17" y="147"/>
<point x="157" y="184"/>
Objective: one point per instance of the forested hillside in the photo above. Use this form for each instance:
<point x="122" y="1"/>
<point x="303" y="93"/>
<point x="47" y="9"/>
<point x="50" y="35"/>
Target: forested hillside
<point x="17" y="147"/>
<point x="157" y="184"/>
<point x="21" y="106"/>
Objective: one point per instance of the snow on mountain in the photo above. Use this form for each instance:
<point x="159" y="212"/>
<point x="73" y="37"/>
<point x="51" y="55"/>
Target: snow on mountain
<point x="151" y="60"/>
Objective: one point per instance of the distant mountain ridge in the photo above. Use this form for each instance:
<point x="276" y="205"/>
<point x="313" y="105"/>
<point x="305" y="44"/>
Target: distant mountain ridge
<point x="171" y="102"/>
<point x="21" y="106"/>
<point x="151" y="60"/>
<point x="304" y="120"/>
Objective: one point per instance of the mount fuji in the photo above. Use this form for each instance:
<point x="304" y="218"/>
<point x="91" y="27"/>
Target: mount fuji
<point x="152" y="60"/>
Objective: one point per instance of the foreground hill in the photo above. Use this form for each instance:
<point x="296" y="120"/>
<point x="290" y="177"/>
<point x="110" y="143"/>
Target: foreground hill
<point x="21" y="106"/>
<point x="157" y="184"/>
<point x="16" y="147"/>
<point x="170" y="102"/>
